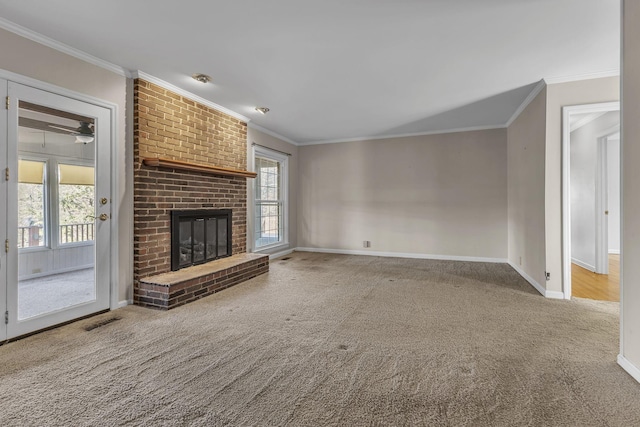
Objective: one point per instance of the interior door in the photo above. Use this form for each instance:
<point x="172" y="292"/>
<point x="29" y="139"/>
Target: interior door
<point x="58" y="209"/>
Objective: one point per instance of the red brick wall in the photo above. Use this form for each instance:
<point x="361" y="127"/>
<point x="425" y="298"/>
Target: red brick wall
<point x="170" y="126"/>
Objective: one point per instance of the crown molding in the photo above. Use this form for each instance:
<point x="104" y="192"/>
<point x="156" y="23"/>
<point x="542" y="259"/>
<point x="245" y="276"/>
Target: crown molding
<point x="61" y="47"/>
<point x="403" y="135"/>
<point x="259" y="128"/>
<point x="587" y="119"/>
<point x="192" y="96"/>
<point x="532" y="95"/>
<point x="578" y="77"/>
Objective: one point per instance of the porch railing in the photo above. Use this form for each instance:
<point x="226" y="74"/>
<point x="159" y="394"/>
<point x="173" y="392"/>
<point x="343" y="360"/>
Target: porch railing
<point x="33" y="236"/>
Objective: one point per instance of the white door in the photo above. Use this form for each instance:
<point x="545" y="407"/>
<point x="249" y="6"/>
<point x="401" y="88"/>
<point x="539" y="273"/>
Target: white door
<point x="58" y="202"/>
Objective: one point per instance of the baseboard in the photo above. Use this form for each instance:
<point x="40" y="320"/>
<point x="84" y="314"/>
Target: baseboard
<point x="124" y="303"/>
<point x="403" y="255"/>
<point x="614" y="251"/>
<point x="280" y="254"/>
<point x="583" y="264"/>
<point x="50" y="273"/>
<point x="538" y="287"/>
<point x="629" y="367"/>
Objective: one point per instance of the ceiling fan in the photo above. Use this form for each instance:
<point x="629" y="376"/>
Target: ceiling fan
<point x="84" y="133"/>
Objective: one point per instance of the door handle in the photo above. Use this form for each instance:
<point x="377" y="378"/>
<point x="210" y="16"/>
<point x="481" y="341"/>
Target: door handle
<point x="101" y="217"/>
<point x="606" y="212"/>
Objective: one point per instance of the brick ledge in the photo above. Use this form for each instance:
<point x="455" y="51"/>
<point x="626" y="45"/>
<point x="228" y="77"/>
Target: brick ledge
<point x="169" y="290"/>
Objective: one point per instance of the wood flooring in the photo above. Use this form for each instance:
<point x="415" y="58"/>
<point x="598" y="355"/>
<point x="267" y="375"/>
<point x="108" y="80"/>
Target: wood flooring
<point x="603" y="287"/>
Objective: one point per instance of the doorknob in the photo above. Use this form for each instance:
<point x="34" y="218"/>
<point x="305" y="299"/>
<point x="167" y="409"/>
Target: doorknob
<point x="606" y="212"/>
<point x="101" y="217"/>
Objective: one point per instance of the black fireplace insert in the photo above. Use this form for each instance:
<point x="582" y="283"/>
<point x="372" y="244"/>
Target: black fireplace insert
<point x="199" y="236"/>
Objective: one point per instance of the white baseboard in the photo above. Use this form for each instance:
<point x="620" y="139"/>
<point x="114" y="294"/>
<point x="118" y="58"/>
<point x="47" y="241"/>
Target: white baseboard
<point x="280" y="254"/>
<point x="538" y="287"/>
<point x="583" y="264"/>
<point x="52" y="272"/>
<point x="124" y="303"/>
<point x="614" y="251"/>
<point x="629" y="367"/>
<point x="402" y="255"/>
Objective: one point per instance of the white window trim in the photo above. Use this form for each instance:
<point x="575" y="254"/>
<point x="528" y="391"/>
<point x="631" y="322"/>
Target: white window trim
<point x="51" y="199"/>
<point x="259" y="151"/>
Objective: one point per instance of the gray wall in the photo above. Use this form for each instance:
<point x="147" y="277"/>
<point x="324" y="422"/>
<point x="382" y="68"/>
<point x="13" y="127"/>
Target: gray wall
<point x="630" y="316"/>
<point x="526" y="151"/>
<point x="435" y="195"/>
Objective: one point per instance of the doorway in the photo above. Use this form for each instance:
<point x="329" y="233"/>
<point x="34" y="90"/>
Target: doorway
<point x="591" y="201"/>
<point x="57" y="195"/>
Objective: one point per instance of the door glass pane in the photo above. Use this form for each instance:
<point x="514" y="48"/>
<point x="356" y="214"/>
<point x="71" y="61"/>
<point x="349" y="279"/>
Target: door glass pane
<point x="75" y="203"/>
<point x="55" y="208"/>
<point x="222" y="238"/>
<point x="211" y="238"/>
<point x="185" y="242"/>
<point x="198" y="240"/>
<point x="31" y="223"/>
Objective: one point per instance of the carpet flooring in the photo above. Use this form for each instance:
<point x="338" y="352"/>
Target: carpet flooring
<point x="55" y="292"/>
<point x="333" y="340"/>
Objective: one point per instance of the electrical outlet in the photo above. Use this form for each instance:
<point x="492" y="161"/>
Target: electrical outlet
<point x="366" y="244"/>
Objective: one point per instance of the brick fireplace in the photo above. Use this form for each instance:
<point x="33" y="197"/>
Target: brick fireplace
<point x="203" y="165"/>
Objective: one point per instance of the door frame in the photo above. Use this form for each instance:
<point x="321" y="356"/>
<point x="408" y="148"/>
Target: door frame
<point x="4" y="224"/>
<point x="602" y="202"/>
<point x="567" y="111"/>
<point x="8" y="76"/>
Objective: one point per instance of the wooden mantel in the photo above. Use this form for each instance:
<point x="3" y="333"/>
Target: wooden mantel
<point x="195" y="167"/>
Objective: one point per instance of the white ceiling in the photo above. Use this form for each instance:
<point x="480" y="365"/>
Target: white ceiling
<point x="342" y="69"/>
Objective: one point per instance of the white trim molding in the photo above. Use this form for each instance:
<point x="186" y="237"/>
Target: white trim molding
<point x="402" y="135"/>
<point x="598" y="75"/>
<point x="192" y="96"/>
<point x="584" y="265"/>
<point x="124" y="303"/>
<point x="279" y="254"/>
<point x="567" y="111"/>
<point x="532" y="95"/>
<point x="629" y="367"/>
<point x="259" y="128"/>
<point x="61" y="47"/>
<point x="403" y="255"/>
<point x="538" y="287"/>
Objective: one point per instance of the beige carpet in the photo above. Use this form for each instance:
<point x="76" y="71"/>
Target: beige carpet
<point x="333" y="340"/>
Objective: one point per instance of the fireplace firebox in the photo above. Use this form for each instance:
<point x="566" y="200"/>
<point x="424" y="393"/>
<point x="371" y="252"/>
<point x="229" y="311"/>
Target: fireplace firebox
<point x="199" y="236"/>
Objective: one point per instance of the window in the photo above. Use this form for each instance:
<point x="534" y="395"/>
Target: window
<point x="75" y="203"/>
<point x="270" y="199"/>
<point x="31" y="203"/>
<point x="56" y="211"/>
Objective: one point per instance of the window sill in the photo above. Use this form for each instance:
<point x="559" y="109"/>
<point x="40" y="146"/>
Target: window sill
<point x="275" y="246"/>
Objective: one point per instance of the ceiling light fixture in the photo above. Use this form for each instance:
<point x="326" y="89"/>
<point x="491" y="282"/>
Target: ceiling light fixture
<point x="202" y="78"/>
<point x="84" y="139"/>
<point x="262" y="110"/>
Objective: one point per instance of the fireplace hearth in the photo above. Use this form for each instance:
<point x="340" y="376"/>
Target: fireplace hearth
<point x="199" y="236"/>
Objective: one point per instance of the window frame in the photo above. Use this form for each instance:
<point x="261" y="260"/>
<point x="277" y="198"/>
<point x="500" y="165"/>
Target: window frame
<point x="283" y="160"/>
<point x="46" y="198"/>
<point x="51" y="200"/>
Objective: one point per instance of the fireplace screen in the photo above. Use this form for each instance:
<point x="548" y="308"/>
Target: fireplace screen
<point x="198" y="236"/>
